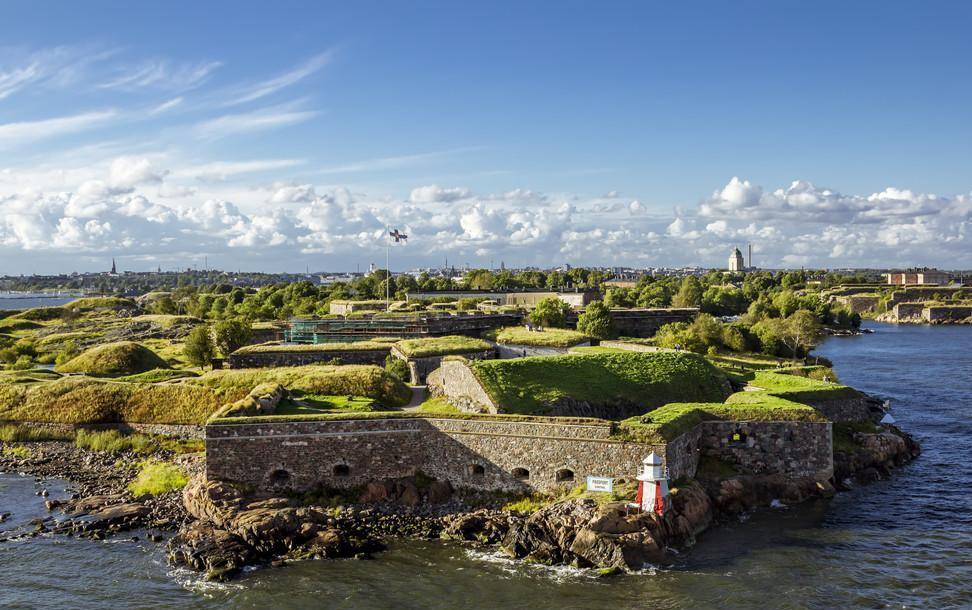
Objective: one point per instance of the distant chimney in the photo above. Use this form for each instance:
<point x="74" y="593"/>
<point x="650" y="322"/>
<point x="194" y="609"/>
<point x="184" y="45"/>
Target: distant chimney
<point x="750" y="265"/>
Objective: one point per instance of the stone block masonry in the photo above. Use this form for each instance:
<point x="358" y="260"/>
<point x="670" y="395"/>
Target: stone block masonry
<point x="491" y="454"/>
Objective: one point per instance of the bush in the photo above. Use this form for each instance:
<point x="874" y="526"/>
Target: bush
<point x="596" y="321"/>
<point x="398" y="368"/>
<point x="198" y="348"/>
<point x="157" y="478"/>
<point x="550" y="311"/>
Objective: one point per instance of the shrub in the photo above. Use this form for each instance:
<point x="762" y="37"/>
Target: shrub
<point x="596" y="321"/>
<point x="230" y="335"/>
<point x="113" y="359"/>
<point x="550" y="311"/>
<point x="198" y="348"/>
<point x="398" y="368"/>
<point x="157" y="478"/>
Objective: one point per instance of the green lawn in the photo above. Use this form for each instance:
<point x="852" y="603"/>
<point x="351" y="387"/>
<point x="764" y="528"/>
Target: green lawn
<point x="549" y="337"/>
<point x="351" y="346"/>
<point x="309" y="404"/>
<point x="649" y="380"/>
<point x="441" y="346"/>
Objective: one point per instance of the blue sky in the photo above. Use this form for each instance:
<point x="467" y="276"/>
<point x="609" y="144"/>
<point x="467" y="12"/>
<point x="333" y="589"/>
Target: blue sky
<point x="289" y="134"/>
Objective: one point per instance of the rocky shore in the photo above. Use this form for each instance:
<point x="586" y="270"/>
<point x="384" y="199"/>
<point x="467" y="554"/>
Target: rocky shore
<point x="219" y="528"/>
<point x="99" y="504"/>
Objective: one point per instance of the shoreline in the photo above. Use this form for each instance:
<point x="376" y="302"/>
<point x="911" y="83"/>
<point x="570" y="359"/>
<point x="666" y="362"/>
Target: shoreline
<point x="218" y="530"/>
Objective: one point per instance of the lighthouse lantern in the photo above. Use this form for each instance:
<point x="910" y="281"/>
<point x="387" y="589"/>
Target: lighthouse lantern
<point x="653" y="485"/>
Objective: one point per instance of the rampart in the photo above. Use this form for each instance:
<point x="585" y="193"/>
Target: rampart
<point x="946" y="313"/>
<point x="492" y="454"/>
<point x="300" y="357"/>
<point x="420" y="367"/>
<point x="644" y="322"/>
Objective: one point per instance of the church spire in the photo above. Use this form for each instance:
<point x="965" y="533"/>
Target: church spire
<point x="114" y="270"/>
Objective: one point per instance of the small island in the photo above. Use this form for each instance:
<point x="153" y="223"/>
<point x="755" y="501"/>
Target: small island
<point x="533" y="430"/>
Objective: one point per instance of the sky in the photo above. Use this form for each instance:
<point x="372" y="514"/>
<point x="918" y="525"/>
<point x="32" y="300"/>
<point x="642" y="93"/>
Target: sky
<point x="289" y="135"/>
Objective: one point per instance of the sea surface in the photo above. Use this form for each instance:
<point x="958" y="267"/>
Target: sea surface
<point x="902" y="543"/>
<point x="26" y="301"/>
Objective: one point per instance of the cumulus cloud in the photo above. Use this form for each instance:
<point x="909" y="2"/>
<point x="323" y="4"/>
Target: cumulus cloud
<point x="798" y="225"/>
<point x="437" y="194"/>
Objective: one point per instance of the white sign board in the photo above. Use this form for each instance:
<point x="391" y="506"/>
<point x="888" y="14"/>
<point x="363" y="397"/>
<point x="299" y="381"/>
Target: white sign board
<point x="604" y="484"/>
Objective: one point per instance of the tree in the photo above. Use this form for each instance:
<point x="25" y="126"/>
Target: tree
<point x="800" y="332"/>
<point x="596" y="321"/>
<point x="689" y="294"/>
<point x="231" y="335"/>
<point x="550" y="311"/>
<point x="198" y="348"/>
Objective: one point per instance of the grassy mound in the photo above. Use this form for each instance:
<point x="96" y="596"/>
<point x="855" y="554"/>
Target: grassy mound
<point x="351" y="346"/>
<point x="88" y="303"/>
<point x="649" y="380"/>
<point x="324" y="380"/>
<point x="441" y="346"/>
<point x="11" y="325"/>
<point x="157" y="376"/>
<point x="166" y="321"/>
<point x="113" y="359"/>
<point x="673" y="420"/>
<point x="41" y="314"/>
<point x="549" y="337"/>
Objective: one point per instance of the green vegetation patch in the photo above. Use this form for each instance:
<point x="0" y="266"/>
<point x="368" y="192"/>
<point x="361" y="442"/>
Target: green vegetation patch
<point x="673" y="420"/>
<point x="88" y="303"/>
<point x="11" y="325"/>
<point x="350" y="346"/>
<point x="166" y="320"/>
<point x="531" y="385"/>
<point x="28" y="376"/>
<point x="157" y="376"/>
<point x="41" y="314"/>
<point x="112" y="441"/>
<point x="310" y="404"/>
<point x="54" y="340"/>
<point x="155" y="478"/>
<point x="441" y="346"/>
<point x="548" y="337"/>
<point x="112" y="359"/>
<point x="326" y="380"/>
<point x="11" y="433"/>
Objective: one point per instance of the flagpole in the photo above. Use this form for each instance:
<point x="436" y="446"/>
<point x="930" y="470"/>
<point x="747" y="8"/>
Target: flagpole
<point x="387" y="270"/>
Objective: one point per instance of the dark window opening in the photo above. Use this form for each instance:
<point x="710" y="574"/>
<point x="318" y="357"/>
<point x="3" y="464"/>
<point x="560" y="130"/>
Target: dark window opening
<point x="521" y="473"/>
<point x="342" y="470"/>
<point x="565" y="475"/>
<point x="279" y="478"/>
<point x="476" y="470"/>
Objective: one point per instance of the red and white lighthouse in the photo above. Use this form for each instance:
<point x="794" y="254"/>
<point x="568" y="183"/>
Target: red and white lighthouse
<point x="653" y="486"/>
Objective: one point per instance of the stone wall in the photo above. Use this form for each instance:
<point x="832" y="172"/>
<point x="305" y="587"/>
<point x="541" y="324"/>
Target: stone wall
<point x="301" y="357"/>
<point x="849" y="409"/>
<point x="515" y="350"/>
<point x="644" y="322"/>
<point x="495" y="454"/>
<point x="908" y="310"/>
<point x="946" y="313"/>
<point x="859" y="303"/>
<point x="796" y="449"/>
<point x="455" y="381"/>
<point x="419" y="368"/>
<point x="488" y="455"/>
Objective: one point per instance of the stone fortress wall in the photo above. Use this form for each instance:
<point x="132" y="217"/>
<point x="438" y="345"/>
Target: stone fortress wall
<point x="490" y="454"/>
<point x="301" y="357"/>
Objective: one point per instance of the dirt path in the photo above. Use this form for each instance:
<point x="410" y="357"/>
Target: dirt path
<point x="418" y="397"/>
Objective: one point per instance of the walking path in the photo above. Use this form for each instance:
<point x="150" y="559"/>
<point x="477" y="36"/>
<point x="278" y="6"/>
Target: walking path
<point x="418" y="397"/>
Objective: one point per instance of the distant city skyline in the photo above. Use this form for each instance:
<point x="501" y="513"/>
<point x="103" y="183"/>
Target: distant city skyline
<point x="286" y="136"/>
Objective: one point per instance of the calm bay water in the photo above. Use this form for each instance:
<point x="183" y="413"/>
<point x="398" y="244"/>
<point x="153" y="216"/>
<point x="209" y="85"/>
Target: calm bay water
<point x="8" y="301"/>
<point x="904" y="543"/>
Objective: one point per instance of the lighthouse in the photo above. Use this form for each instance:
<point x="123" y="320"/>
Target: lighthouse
<point x="653" y="486"/>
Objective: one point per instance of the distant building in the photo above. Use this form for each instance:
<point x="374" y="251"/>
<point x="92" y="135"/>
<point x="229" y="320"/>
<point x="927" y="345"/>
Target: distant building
<point x="922" y="276"/>
<point x="736" y="262"/>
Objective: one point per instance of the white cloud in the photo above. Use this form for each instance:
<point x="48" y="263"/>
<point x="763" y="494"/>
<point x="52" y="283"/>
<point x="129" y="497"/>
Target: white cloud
<point x="223" y="170"/>
<point x="257" y="120"/>
<point x="437" y="194"/>
<point x="30" y="131"/>
<point x="162" y="74"/>
<point x="271" y="86"/>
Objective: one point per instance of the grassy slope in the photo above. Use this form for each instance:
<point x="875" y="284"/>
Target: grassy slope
<point x="528" y="385"/>
<point x="352" y="346"/>
<point x="550" y="337"/>
<point x="189" y="401"/>
<point x="441" y="346"/>
<point x="110" y="359"/>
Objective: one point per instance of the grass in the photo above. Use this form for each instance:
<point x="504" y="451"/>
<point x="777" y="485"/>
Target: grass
<point x="673" y="420"/>
<point x="11" y="325"/>
<point x="157" y="376"/>
<point x="441" y="346"/>
<point x="587" y="421"/>
<point x="438" y="405"/>
<point x="54" y="340"/>
<point x="28" y="376"/>
<point x="114" y="359"/>
<point x="648" y="380"/>
<point x="550" y="337"/>
<point x="113" y="441"/>
<point x="351" y="346"/>
<point x="41" y="314"/>
<point x="18" y="452"/>
<point x="308" y="404"/>
<point x="101" y="303"/>
<point x="624" y="491"/>
<point x="326" y="380"/>
<point x="155" y="478"/>
<point x="26" y="434"/>
<point x="166" y="321"/>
